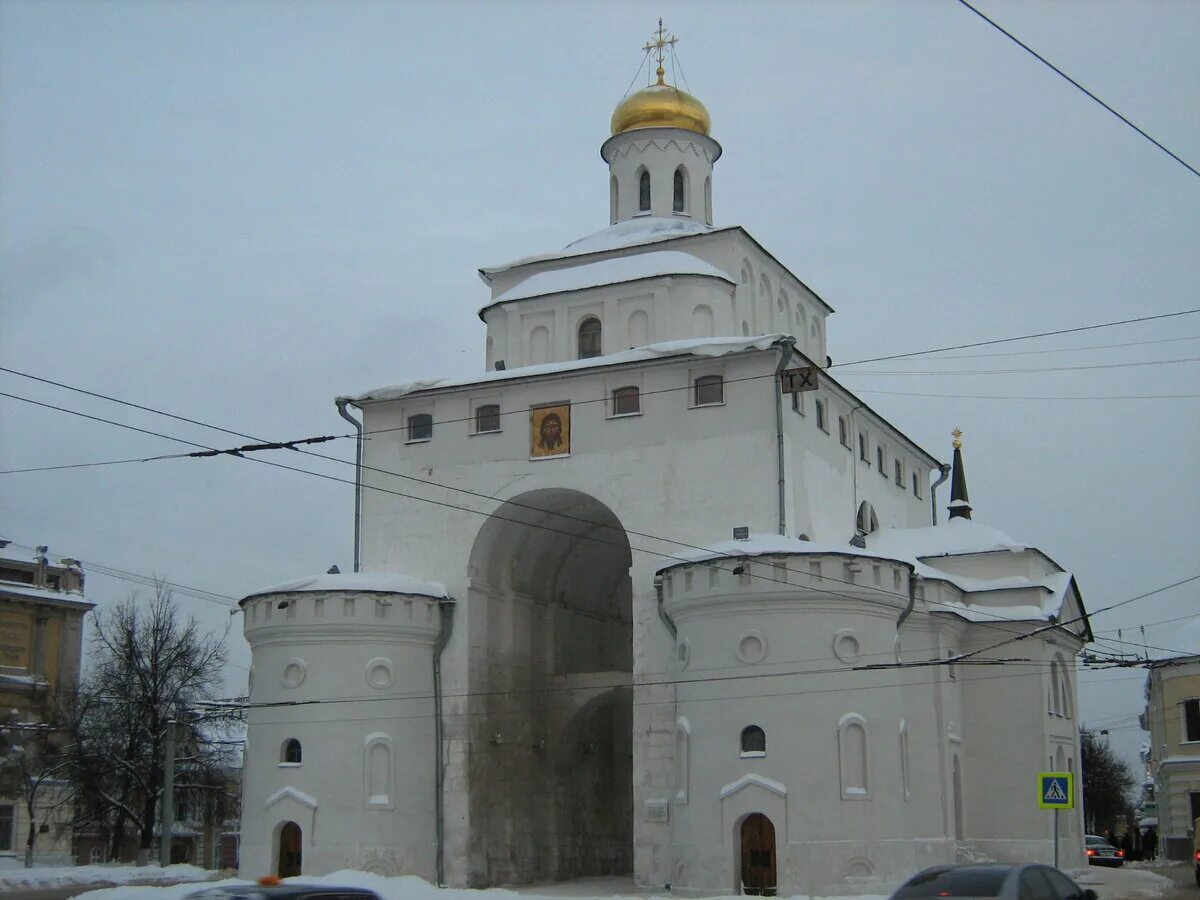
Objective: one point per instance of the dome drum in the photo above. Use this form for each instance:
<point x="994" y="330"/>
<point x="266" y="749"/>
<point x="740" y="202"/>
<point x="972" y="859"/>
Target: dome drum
<point x="310" y="615"/>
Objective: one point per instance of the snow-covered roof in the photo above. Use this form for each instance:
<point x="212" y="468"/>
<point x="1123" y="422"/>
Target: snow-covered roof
<point x="642" y="230"/>
<point x="614" y="270"/>
<point x="378" y="582"/>
<point x="1054" y="586"/>
<point x="36" y="593"/>
<point x="720" y="346"/>
<point x="954" y="537"/>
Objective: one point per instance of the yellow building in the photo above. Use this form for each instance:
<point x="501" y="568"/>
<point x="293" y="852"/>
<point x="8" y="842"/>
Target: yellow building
<point x="1172" y="717"/>
<point x="41" y="636"/>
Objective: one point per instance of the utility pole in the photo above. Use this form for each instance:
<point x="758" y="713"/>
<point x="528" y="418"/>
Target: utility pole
<point x="168" y="797"/>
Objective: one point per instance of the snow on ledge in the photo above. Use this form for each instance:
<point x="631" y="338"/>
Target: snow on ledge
<point x="616" y="270"/>
<point x="770" y="784"/>
<point x="377" y="582"/>
<point x="630" y="233"/>
<point x="954" y="537"/>
<point x="712" y="347"/>
<point x="292" y="794"/>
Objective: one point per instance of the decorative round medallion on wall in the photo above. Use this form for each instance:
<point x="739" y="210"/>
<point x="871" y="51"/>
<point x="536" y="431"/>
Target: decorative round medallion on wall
<point x="379" y="673"/>
<point x="683" y="652"/>
<point x="845" y="645"/>
<point x="294" y="672"/>
<point x="751" y="647"/>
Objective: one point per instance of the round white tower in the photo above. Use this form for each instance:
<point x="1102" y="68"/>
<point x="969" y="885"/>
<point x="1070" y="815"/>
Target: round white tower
<point x="341" y="727"/>
<point x="660" y="156"/>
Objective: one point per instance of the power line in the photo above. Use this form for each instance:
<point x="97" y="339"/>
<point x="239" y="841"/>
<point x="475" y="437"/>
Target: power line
<point x="1076" y="84"/>
<point x="540" y="511"/>
<point x="1009" y="397"/>
<point x="496" y="514"/>
<point x="1090" y="347"/>
<point x="1030" y="371"/>
<point x="1023" y="337"/>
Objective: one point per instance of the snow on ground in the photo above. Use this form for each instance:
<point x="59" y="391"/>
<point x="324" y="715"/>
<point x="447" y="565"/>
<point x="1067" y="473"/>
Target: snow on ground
<point x="1109" y="884"/>
<point x="66" y="876"/>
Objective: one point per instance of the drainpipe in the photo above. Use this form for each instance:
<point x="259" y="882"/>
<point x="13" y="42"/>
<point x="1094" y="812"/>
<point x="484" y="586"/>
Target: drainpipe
<point x="944" y="469"/>
<point x="912" y="601"/>
<point x="785" y="356"/>
<point x="662" y="612"/>
<point x="446" y="614"/>
<point x="358" y="461"/>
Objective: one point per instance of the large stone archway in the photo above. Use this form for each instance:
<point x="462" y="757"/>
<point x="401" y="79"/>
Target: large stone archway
<point x="550" y="708"/>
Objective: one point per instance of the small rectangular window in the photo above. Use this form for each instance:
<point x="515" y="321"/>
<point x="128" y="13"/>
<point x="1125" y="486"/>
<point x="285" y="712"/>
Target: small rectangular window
<point x="844" y="432"/>
<point x="709" y="390"/>
<point x="1191" y="720"/>
<point x="899" y="466"/>
<point x="879" y="460"/>
<point x="820" y="405"/>
<point x="626" y="401"/>
<point x="487" y="418"/>
<point x="798" y="402"/>
<point x="420" y="428"/>
<point x="863" y="453"/>
<point x="916" y="478"/>
<point x="7" y="823"/>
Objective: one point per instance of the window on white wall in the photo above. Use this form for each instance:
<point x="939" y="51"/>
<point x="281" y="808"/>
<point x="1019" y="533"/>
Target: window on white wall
<point x="487" y="418"/>
<point x="865" y="520"/>
<point x="821" y="423"/>
<point x="709" y="390"/>
<point x="852" y="756"/>
<point x="420" y="427"/>
<point x="613" y="196"/>
<point x="898" y="465"/>
<point x="863" y="453"/>
<point x="754" y="741"/>
<point x="291" y="752"/>
<point x="626" y="401"/>
<point x="916" y="480"/>
<point x="589" y="338"/>
<point x="844" y="432"/>
<point x="679" y="191"/>
<point x="644" y="191"/>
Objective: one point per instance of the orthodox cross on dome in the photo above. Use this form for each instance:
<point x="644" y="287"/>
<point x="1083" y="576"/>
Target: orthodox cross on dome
<point x="662" y="40"/>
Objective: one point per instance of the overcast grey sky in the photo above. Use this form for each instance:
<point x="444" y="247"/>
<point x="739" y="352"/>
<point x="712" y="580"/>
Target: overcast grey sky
<point x="236" y="211"/>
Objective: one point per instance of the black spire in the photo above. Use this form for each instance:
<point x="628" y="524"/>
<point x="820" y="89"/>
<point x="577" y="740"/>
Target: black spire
<point x="960" y="505"/>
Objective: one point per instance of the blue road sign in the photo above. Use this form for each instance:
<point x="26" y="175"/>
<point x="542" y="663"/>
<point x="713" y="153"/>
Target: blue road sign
<point x="1056" y="790"/>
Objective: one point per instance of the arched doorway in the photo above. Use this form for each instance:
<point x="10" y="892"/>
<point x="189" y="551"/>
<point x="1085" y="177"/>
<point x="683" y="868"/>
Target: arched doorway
<point x="289" y="850"/>
<point x="758" y="856"/>
<point x="550" y="708"/>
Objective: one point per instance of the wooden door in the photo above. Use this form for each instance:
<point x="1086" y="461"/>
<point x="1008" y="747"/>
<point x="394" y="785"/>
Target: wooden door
<point x="758" y="856"/>
<point x="289" y="850"/>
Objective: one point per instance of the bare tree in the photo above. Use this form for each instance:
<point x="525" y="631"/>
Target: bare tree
<point x="35" y="765"/>
<point x="1107" y="781"/>
<point x="151" y="665"/>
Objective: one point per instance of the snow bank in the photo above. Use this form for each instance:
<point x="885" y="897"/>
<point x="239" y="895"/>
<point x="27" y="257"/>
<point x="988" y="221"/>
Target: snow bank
<point x="68" y="876"/>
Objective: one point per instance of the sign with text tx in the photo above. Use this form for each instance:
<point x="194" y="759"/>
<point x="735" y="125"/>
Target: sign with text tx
<point x="1056" y="790"/>
<point x="793" y="381"/>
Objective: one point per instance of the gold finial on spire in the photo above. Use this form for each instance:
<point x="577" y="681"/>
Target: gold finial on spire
<point x="957" y="435"/>
<point x="662" y="39"/>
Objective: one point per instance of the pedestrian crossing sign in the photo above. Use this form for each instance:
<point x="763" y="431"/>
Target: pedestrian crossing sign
<point x="1056" y="790"/>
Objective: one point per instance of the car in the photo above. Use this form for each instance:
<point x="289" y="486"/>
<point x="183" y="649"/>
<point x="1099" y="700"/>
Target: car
<point x="1101" y="853"/>
<point x="275" y="891"/>
<point x="1004" y="881"/>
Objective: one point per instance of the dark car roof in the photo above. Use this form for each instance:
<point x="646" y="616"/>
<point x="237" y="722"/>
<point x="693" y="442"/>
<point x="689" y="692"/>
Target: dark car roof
<point x="289" y="892"/>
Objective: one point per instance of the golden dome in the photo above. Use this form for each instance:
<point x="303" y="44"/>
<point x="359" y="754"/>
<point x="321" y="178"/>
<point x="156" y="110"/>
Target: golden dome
<point x="661" y="106"/>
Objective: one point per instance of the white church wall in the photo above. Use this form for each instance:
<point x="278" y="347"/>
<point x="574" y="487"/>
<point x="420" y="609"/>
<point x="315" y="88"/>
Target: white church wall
<point x="751" y="626"/>
<point x="631" y="314"/>
<point x="322" y="648"/>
